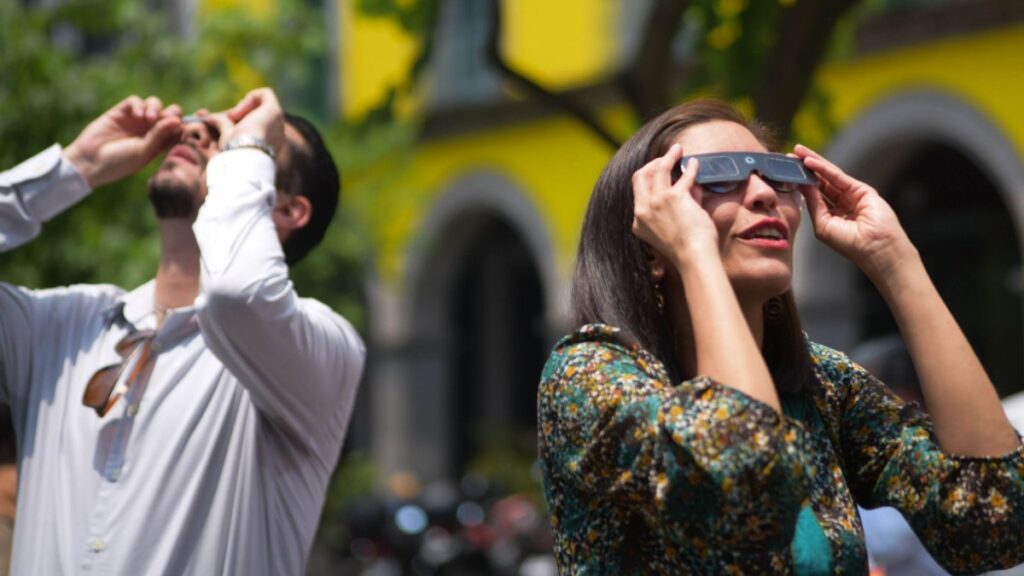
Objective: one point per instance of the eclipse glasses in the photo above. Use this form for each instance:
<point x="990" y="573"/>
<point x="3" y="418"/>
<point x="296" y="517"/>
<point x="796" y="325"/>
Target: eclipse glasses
<point x="722" y="172"/>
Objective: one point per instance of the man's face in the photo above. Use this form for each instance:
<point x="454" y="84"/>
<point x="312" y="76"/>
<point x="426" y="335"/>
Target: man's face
<point x="178" y="188"/>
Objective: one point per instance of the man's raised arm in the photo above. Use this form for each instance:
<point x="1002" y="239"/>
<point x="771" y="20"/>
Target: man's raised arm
<point x="118" y="143"/>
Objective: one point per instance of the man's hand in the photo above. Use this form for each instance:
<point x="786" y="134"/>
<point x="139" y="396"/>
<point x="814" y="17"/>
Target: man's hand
<point x="124" y="139"/>
<point x="257" y="114"/>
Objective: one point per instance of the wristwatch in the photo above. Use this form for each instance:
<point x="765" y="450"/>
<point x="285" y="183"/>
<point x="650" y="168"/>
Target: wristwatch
<point x="250" y="142"/>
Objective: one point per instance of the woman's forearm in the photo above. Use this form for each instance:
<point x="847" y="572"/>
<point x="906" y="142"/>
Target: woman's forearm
<point x="962" y="401"/>
<point x="725" y="346"/>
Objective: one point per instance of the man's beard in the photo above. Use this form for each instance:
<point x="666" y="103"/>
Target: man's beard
<point x="171" y="198"/>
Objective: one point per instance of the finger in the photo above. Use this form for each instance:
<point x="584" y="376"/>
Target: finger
<point x="222" y="123"/>
<point x="817" y="206"/>
<point x="803" y="152"/>
<point x="640" y="187"/>
<point x="825" y="169"/>
<point x="830" y="194"/>
<point x="267" y="96"/>
<point x="687" y="181"/>
<point x="247" y="104"/>
<point x="153" y="107"/>
<point x="162" y="136"/>
<point x="663" y="167"/>
<point x="172" y="110"/>
<point x="132" y="106"/>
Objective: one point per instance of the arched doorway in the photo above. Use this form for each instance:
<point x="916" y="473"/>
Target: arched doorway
<point x="478" y="308"/>
<point x="496" y="311"/>
<point x="962" y="228"/>
<point x="953" y="178"/>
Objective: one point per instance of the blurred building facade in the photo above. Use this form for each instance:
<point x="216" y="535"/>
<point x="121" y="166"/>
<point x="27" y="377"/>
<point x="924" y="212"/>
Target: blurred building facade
<point x="475" y="233"/>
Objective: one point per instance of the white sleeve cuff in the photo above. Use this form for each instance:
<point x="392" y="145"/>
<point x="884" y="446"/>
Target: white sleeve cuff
<point x="47" y="184"/>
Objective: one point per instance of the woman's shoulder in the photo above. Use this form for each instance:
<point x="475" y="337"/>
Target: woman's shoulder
<point x="599" y="346"/>
<point x="833" y="367"/>
<point x="593" y="333"/>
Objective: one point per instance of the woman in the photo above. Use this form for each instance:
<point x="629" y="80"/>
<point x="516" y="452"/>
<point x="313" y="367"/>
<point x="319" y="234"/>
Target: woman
<point x="689" y="427"/>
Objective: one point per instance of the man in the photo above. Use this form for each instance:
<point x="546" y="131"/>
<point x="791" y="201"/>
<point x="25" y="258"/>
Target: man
<point x="216" y="398"/>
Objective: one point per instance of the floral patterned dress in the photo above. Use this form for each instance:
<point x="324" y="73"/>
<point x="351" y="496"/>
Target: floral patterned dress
<point x="646" y="477"/>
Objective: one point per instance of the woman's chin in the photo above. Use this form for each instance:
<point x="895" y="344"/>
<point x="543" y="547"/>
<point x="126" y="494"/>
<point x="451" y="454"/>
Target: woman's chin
<point x="763" y="285"/>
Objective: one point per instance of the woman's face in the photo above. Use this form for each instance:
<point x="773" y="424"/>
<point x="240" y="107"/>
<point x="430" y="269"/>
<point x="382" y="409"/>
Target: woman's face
<point x="756" y="224"/>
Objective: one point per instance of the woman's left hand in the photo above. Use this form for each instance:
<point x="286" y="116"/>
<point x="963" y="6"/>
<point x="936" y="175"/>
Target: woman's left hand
<point x="852" y="217"/>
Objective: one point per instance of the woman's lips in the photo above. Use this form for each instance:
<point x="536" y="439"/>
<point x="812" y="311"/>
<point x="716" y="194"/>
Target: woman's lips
<point x="768" y="233"/>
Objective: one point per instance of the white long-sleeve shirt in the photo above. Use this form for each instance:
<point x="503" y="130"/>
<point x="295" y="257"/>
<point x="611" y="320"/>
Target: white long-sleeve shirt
<point x="219" y="464"/>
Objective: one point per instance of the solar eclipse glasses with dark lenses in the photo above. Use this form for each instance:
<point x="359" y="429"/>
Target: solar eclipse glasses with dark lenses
<point x="723" y="172"/>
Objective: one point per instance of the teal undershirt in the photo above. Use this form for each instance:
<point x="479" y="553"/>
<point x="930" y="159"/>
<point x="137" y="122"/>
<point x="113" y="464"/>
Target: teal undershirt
<point x="811" y="551"/>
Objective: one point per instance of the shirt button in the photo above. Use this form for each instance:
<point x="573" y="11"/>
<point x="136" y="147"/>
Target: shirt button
<point x="97" y="544"/>
<point x="115" y="475"/>
<point x="133" y="409"/>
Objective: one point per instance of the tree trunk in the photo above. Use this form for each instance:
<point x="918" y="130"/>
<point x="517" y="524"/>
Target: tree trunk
<point x="802" y="38"/>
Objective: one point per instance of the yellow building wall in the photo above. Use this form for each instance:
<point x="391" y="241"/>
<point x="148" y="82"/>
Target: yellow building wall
<point x="986" y="70"/>
<point x="561" y="44"/>
<point x="555" y="161"/>
<point x="375" y="55"/>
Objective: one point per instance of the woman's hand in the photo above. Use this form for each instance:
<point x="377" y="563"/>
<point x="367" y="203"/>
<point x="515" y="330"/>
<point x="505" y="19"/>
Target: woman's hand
<point x="668" y="216"/>
<point x="852" y="218"/>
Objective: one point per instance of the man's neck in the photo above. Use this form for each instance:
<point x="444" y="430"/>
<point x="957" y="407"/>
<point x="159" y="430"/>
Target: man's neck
<point x="177" y="278"/>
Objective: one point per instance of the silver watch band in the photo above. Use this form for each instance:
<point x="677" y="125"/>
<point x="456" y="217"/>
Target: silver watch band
<point x="250" y="142"/>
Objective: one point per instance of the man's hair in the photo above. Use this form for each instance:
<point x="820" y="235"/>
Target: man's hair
<point x="310" y="172"/>
<point x="612" y="281"/>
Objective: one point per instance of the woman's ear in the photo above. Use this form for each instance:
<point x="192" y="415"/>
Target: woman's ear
<point x="291" y="212"/>
<point x="656" y="262"/>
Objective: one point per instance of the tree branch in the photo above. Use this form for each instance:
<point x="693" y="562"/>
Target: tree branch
<point x="553" y="99"/>
<point x="646" y="81"/>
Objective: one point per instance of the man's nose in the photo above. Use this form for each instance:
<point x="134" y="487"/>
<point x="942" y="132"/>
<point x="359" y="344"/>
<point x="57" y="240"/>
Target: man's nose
<point x="196" y="132"/>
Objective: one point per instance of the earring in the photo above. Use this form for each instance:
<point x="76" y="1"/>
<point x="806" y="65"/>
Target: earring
<point x="774" y="309"/>
<point x="659" y="299"/>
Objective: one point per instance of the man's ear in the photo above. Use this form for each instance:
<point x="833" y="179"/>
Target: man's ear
<point x="291" y="212"/>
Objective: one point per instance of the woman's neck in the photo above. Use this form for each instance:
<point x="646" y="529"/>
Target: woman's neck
<point x="686" y="353"/>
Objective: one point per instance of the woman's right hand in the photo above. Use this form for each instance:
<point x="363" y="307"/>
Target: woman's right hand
<point x="669" y="217"/>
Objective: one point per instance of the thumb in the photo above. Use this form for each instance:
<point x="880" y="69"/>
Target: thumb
<point x="161" y="136"/>
<point x="250" y="102"/>
<point x="687" y="182"/>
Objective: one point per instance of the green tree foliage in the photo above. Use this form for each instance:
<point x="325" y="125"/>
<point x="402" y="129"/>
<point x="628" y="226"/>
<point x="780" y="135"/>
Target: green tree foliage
<point x="63" y="66"/>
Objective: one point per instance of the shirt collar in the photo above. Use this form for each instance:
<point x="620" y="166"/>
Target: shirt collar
<point x="135" y="310"/>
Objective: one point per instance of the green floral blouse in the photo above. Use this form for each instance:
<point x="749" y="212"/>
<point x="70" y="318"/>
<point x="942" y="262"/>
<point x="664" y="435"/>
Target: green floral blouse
<point x="645" y="477"/>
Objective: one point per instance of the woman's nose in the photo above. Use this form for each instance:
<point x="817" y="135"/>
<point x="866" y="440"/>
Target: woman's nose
<point x="759" y="195"/>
